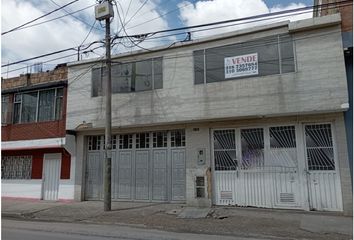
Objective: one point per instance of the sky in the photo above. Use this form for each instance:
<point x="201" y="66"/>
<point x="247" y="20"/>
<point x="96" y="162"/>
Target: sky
<point x="137" y="16"/>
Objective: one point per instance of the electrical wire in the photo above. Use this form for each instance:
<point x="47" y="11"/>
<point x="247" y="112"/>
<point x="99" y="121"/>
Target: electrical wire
<point x="136" y="12"/>
<point x="53" y="19"/>
<point x="22" y="25"/>
<point x="77" y="18"/>
<point x="170" y="30"/>
<point x="160" y="16"/>
<point x="235" y="20"/>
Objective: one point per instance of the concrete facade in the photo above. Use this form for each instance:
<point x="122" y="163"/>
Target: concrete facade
<point x="316" y="91"/>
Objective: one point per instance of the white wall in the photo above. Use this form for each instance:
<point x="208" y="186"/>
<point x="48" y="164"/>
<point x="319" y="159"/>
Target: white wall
<point x="21" y="188"/>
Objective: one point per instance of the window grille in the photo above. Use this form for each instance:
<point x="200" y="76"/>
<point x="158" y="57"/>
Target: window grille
<point x="319" y="147"/>
<point x="178" y="138"/>
<point x="225" y="150"/>
<point x="282" y="137"/>
<point x="252" y="145"/>
<point x="282" y="146"/>
<point x="16" y="167"/>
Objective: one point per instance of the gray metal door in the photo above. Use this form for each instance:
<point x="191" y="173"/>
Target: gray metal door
<point x="94" y="176"/>
<point x="114" y="174"/>
<point x="159" y="175"/>
<point x="125" y="175"/>
<point x="144" y="167"/>
<point x="142" y="175"/>
<point x="178" y="174"/>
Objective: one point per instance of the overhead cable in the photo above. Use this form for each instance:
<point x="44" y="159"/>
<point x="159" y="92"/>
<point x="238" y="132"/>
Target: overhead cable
<point x="22" y="25"/>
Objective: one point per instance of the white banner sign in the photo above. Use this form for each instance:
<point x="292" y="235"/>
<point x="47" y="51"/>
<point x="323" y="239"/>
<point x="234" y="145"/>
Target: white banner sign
<point x="244" y="65"/>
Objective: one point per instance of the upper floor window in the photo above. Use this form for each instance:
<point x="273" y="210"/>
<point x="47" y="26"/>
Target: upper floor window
<point x="38" y="106"/>
<point x="261" y="57"/>
<point x="129" y="77"/>
<point x="5" y="107"/>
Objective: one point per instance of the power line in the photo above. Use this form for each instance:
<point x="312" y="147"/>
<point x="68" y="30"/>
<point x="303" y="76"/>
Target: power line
<point x="160" y="16"/>
<point x="235" y="20"/>
<point x="53" y="19"/>
<point x="77" y="18"/>
<point x="137" y="36"/>
<point x="136" y="12"/>
<point x="55" y="10"/>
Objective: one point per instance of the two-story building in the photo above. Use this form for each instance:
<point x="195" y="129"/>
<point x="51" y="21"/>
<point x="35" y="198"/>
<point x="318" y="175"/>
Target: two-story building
<point x="35" y="150"/>
<point x="248" y="118"/>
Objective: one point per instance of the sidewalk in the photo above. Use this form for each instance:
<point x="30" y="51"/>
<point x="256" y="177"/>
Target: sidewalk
<point x="246" y="222"/>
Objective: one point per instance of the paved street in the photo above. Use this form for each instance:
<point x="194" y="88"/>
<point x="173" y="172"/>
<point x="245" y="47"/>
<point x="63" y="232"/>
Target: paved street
<point x="14" y="230"/>
<point x="224" y="221"/>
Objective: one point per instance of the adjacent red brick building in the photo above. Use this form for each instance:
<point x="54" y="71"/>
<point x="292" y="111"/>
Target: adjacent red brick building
<point x="35" y="161"/>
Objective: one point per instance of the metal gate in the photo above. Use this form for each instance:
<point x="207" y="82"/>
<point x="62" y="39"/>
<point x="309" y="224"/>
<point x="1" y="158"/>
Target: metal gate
<point x="145" y="166"/>
<point x="259" y="167"/>
<point x="322" y="174"/>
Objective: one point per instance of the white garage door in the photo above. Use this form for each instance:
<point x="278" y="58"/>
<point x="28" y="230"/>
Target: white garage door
<point x="146" y="166"/>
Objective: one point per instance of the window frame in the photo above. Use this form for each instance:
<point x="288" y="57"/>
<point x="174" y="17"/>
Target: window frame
<point x="278" y="42"/>
<point x="100" y="92"/>
<point x="20" y="102"/>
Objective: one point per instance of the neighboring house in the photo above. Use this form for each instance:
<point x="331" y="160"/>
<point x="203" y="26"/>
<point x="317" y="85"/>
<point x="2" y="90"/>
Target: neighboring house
<point x="248" y="118"/>
<point x="35" y="156"/>
<point x="346" y="11"/>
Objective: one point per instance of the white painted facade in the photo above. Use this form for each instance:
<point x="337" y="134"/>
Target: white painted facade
<point x="315" y="93"/>
<point x="33" y="188"/>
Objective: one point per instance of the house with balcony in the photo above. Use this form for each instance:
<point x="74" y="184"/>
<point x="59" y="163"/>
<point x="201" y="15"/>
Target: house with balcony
<point x="35" y="149"/>
<point x="246" y="118"/>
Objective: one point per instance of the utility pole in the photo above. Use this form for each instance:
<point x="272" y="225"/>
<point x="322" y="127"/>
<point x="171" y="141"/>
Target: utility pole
<point x="104" y="11"/>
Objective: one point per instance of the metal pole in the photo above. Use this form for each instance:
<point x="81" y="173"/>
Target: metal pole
<point x="108" y="154"/>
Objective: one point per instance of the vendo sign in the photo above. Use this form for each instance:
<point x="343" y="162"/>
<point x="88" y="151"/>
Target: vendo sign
<point x="244" y="65"/>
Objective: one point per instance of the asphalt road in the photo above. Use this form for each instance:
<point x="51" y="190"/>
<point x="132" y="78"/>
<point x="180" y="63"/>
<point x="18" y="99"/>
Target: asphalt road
<point x="34" y="230"/>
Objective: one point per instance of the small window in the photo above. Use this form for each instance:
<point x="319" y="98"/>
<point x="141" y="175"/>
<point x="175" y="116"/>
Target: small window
<point x="159" y="139"/>
<point x="16" y="167"/>
<point x="158" y="76"/>
<point x="17" y="108"/>
<point x="178" y="138"/>
<point x="142" y="140"/>
<point x="29" y="107"/>
<point x="59" y="104"/>
<point x="5" y="102"/>
<point x="126" y="141"/>
<point x="200" y="187"/>
<point x="95" y="142"/>
<point x="198" y="66"/>
<point x="46" y="105"/>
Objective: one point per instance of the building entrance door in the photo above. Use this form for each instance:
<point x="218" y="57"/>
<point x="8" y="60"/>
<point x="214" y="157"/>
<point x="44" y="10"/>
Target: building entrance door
<point x="51" y="176"/>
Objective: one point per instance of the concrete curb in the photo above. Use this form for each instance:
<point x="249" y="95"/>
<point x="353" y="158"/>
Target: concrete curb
<point x="11" y="215"/>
